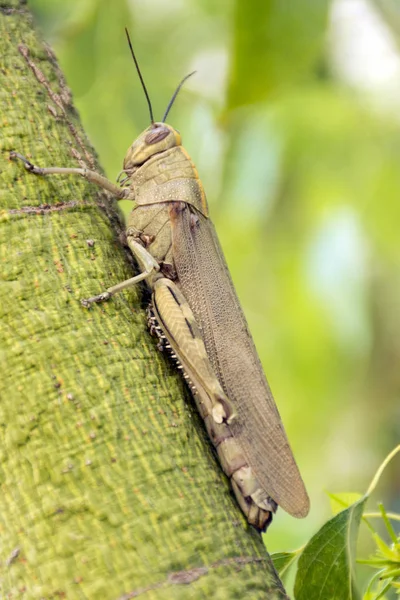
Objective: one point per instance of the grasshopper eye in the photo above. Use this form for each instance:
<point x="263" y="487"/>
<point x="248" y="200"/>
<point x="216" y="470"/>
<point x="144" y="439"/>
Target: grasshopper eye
<point x="156" y="135"/>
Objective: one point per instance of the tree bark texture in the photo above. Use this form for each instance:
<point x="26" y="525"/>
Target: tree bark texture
<point x="109" y="487"/>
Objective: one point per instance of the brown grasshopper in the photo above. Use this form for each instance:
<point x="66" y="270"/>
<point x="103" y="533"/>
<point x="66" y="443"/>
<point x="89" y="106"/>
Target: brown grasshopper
<point x="196" y="313"/>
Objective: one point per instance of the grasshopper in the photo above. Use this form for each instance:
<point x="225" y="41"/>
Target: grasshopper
<point x="196" y="314"/>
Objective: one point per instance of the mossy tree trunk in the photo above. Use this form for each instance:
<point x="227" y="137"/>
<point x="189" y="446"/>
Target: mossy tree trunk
<point x="109" y="488"/>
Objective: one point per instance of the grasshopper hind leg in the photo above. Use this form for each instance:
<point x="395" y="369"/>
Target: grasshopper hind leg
<point x="157" y="331"/>
<point x="172" y="320"/>
<point x="175" y="320"/>
<point x="164" y="346"/>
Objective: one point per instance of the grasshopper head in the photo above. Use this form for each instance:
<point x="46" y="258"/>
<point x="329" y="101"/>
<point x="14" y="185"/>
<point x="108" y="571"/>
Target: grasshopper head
<point x="155" y="139"/>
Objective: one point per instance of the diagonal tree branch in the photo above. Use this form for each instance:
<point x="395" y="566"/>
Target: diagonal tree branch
<point x="109" y="488"/>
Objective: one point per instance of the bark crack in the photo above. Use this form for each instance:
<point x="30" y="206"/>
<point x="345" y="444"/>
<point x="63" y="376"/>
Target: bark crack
<point x="188" y="576"/>
<point x="49" y="208"/>
<point x="8" y="10"/>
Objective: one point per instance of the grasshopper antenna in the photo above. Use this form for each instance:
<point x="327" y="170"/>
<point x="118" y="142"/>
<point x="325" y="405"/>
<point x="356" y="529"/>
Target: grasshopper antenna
<point x="175" y="95"/>
<point x="141" y="78"/>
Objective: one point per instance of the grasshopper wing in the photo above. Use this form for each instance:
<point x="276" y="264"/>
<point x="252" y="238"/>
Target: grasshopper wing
<point x="204" y="280"/>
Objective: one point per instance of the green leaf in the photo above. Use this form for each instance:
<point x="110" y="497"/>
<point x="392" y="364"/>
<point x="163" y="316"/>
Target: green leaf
<point x="283" y="561"/>
<point x="343" y="500"/>
<point x="325" y="569"/>
<point x="388" y="524"/>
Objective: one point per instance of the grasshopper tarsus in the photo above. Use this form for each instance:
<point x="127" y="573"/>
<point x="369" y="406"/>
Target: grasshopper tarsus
<point x="87" y="302"/>
<point x="27" y="164"/>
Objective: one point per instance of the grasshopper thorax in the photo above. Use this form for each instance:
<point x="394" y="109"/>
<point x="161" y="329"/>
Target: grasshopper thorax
<point x="155" y="139"/>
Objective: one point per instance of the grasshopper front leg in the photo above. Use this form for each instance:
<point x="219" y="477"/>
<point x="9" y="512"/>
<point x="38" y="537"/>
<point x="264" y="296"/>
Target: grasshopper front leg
<point x="145" y="260"/>
<point x="91" y="176"/>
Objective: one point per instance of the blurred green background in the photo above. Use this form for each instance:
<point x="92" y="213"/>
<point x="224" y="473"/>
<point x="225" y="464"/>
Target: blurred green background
<point x="292" y="120"/>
